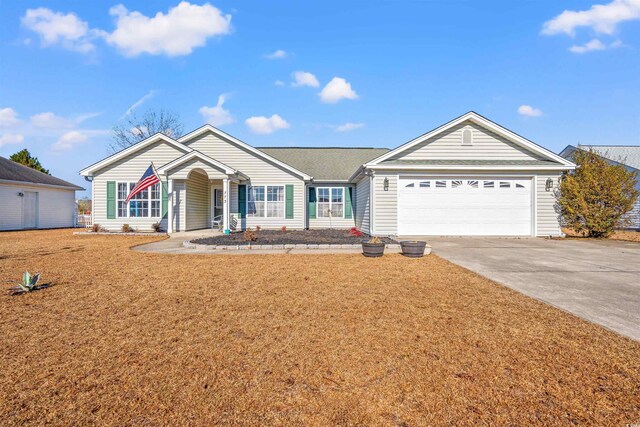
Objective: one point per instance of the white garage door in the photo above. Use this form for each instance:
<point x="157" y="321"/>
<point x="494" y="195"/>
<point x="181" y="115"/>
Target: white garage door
<point x="464" y="207"/>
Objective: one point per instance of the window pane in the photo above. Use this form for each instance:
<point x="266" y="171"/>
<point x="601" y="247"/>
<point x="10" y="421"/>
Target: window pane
<point x="323" y="210"/>
<point x="275" y="209"/>
<point x="122" y="190"/>
<point x="441" y="184"/>
<point x="488" y="184"/>
<point x="155" y="208"/>
<point x="336" y="209"/>
<point x="122" y="209"/>
<point x="336" y="195"/>
<point x="323" y="195"/>
<point x="504" y="184"/>
<point x="155" y="191"/>
<point x="426" y="184"/>
<point x="138" y="208"/>
<point x="275" y="193"/>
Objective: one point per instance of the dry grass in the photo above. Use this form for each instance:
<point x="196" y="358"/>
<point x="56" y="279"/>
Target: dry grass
<point x="131" y="338"/>
<point x="626" y="235"/>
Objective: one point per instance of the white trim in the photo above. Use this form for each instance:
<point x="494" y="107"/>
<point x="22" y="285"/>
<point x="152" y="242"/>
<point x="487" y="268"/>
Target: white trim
<point x="331" y="201"/>
<point x="471" y="167"/>
<point x="36" y="184"/>
<point x="486" y="123"/>
<point x="534" y="183"/>
<point x="88" y="171"/>
<point x="208" y="128"/>
<point x="185" y="158"/>
<point x="226" y="193"/>
<point x="170" y="206"/>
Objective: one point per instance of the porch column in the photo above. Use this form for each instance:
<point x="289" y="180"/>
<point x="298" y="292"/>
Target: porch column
<point x="226" y="196"/>
<point x="170" y="206"/>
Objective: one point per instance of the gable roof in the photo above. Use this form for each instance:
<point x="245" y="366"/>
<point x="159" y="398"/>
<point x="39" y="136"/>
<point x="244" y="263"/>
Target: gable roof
<point x="196" y="154"/>
<point x="208" y="128"/>
<point x="628" y="155"/>
<point x="12" y="171"/>
<point x="325" y="164"/>
<point x="89" y="170"/>
<point x="486" y="123"/>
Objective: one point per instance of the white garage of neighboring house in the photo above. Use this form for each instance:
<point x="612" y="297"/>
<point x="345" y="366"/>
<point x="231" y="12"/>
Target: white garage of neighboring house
<point x="31" y="199"/>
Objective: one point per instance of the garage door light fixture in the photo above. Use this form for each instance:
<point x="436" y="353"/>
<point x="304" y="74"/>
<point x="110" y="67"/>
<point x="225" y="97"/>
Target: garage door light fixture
<point x="548" y="185"/>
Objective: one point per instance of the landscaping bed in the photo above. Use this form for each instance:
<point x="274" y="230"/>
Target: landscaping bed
<point x="289" y="237"/>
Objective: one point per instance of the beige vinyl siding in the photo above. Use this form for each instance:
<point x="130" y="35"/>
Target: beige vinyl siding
<point x="56" y="208"/>
<point x="363" y="202"/>
<point x="182" y="171"/>
<point x="448" y="146"/>
<point x="385" y="202"/>
<point x="260" y="172"/>
<point x="198" y="201"/>
<point x="334" y="222"/>
<point x="548" y="220"/>
<point x="129" y="169"/>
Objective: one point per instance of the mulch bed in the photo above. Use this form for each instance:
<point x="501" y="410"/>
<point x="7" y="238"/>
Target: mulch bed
<point x="128" y="338"/>
<point x="290" y="237"/>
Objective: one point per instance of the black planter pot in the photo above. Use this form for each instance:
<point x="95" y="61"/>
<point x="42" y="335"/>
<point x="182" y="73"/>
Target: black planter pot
<point x="413" y="249"/>
<point x="372" y="249"/>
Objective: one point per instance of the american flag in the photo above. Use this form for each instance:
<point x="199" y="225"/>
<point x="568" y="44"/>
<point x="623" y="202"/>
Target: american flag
<point x="148" y="179"/>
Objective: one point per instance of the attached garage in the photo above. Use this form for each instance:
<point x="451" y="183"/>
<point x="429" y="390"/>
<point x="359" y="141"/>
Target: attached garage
<point x="465" y="206"/>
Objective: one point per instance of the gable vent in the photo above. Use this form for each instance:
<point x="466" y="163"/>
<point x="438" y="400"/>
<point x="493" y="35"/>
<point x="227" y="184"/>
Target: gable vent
<point x="466" y="137"/>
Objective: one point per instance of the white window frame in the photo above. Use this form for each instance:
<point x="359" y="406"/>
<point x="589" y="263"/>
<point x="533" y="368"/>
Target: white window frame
<point x="267" y="202"/>
<point x="330" y="203"/>
<point x="128" y="205"/>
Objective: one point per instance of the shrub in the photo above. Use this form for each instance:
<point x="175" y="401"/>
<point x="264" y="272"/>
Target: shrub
<point x="126" y="228"/>
<point x="594" y="198"/>
<point x="375" y="240"/>
<point x="250" y="235"/>
<point x="97" y="228"/>
<point x="283" y="228"/>
<point x="355" y="232"/>
<point x="155" y="227"/>
<point x="258" y="228"/>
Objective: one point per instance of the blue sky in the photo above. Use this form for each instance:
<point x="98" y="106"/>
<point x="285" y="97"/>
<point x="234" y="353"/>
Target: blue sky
<point x="370" y="73"/>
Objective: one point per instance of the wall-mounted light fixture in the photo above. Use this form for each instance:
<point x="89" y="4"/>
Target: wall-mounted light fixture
<point x="21" y="194"/>
<point x="386" y="184"/>
<point x="548" y="185"/>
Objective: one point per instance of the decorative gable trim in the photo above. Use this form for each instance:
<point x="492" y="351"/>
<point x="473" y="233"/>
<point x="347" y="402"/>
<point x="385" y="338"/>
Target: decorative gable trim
<point x="158" y="137"/>
<point x="487" y="124"/>
<point x="208" y="128"/>
<point x="196" y="154"/>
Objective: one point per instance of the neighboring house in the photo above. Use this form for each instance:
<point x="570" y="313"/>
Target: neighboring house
<point x="625" y="155"/>
<point x="32" y="199"/>
<point x="467" y="177"/>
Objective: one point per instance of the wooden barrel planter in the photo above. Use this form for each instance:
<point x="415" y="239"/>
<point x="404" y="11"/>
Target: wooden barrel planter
<point x="372" y="249"/>
<point x="414" y="249"/>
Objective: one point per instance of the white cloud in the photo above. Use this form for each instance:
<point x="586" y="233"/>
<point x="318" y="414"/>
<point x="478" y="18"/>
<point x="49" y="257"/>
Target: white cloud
<point x="8" y="117"/>
<point x="55" y="28"/>
<point x="50" y="120"/>
<point x="337" y="89"/>
<point x="602" y="18"/>
<point x="279" y="83"/>
<point x="217" y="116"/>
<point x="139" y="102"/>
<point x="529" y="111"/>
<point x="10" y="138"/>
<point x="594" y="44"/>
<point x="348" y="127"/>
<point x="264" y="125"/>
<point x="69" y="140"/>
<point x="278" y="54"/>
<point x="179" y="31"/>
<point x="303" y="78"/>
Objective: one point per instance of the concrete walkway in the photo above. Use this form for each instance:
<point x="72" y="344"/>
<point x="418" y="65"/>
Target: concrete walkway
<point x="596" y="280"/>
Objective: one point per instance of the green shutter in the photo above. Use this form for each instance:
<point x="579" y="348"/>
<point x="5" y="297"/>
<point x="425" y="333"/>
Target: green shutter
<point x="242" y="200"/>
<point x="312" y="203"/>
<point x="111" y="199"/>
<point x="288" y="201"/>
<point x="347" y="204"/>
<point x="165" y="199"/>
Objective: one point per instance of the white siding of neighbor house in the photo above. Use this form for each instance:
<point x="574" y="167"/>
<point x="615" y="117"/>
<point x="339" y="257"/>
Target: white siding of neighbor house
<point x="363" y="202"/>
<point x="448" y="146"/>
<point x="129" y="169"/>
<point x="385" y="213"/>
<point x="198" y="201"/>
<point x="334" y="222"/>
<point x="260" y="172"/>
<point x="56" y="207"/>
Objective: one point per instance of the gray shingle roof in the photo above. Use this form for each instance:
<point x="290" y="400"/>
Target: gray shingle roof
<point x="13" y="171"/>
<point x="626" y="154"/>
<point x="331" y="164"/>
<point x="437" y="162"/>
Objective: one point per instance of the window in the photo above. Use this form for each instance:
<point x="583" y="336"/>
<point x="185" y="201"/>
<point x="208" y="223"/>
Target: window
<point x="145" y="204"/>
<point x="410" y="185"/>
<point x="441" y="184"/>
<point x="265" y="201"/>
<point x="519" y="185"/>
<point x="425" y="184"/>
<point x="467" y="137"/>
<point x="505" y="184"/>
<point x="330" y="202"/>
<point x="473" y="184"/>
<point x="489" y="184"/>
<point x="456" y="184"/>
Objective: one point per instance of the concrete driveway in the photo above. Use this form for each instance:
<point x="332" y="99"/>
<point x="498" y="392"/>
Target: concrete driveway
<point x="596" y="280"/>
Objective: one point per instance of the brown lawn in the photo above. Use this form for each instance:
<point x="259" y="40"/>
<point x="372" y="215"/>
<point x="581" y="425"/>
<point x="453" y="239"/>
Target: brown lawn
<point x="626" y="235"/>
<point x="130" y="338"/>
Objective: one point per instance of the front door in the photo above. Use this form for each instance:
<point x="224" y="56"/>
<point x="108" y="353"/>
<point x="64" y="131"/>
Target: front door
<point x="30" y="209"/>
<point x="217" y="202"/>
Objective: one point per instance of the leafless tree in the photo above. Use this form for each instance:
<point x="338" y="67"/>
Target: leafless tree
<point x="137" y="128"/>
